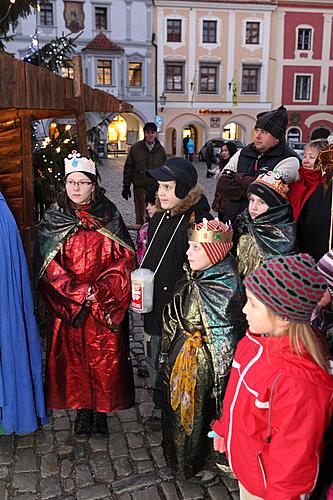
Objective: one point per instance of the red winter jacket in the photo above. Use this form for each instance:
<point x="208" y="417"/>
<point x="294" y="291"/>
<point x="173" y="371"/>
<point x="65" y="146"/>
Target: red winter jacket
<point x="275" y="411"/>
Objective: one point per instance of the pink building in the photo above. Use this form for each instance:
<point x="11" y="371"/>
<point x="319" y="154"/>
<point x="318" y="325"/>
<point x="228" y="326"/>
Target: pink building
<point x="303" y="31"/>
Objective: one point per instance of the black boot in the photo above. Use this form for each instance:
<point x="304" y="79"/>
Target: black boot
<point x="100" y="424"/>
<point x="83" y="423"/>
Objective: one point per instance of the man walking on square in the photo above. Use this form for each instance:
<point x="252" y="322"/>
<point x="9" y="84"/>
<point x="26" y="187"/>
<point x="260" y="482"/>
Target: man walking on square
<point x="144" y="155"/>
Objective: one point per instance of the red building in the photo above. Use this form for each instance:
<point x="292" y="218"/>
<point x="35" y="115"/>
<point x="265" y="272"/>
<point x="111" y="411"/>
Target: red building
<point x="304" y="62"/>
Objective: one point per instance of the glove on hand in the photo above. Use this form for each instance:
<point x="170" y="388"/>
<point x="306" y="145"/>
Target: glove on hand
<point x="126" y="192"/>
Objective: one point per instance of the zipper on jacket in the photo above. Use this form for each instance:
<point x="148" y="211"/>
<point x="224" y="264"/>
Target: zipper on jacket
<point x="268" y="436"/>
<point x="262" y="469"/>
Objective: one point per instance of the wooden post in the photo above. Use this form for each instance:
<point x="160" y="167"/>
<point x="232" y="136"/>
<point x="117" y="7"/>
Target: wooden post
<point x="27" y="187"/>
<point x="80" y="115"/>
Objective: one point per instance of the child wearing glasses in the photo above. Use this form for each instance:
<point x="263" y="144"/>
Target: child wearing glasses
<point x="84" y="257"/>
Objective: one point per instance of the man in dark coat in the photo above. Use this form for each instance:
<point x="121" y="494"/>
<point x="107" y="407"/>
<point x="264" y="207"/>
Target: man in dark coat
<point x="180" y="203"/>
<point x="267" y="150"/>
<point x="144" y="155"/>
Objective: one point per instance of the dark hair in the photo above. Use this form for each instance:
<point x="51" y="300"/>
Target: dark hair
<point x="232" y="148"/>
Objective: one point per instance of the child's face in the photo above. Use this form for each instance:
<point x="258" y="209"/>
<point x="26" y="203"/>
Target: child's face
<point x="166" y="194"/>
<point x="257" y="206"/>
<point x="310" y="155"/>
<point x="197" y="257"/>
<point x="258" y="316"/>
<point x="151" y="209"/>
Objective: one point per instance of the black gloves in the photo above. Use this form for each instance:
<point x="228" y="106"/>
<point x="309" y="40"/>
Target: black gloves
<point x="126" y="192"/>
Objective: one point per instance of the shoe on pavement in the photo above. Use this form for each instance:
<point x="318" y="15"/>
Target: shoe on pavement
<point x="143" y="372"/>
<point x="100" y="424"/>
<point x="83" y="423"/>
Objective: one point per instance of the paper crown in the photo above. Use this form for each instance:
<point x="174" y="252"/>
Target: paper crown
<point x="77" y="163"/>
<point x="212" y="231"/>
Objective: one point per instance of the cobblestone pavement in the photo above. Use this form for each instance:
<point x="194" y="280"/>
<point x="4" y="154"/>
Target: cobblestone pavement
<point x="129" y="465"/>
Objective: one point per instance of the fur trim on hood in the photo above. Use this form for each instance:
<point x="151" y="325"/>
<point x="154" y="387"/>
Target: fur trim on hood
<point x="189" y="201"/>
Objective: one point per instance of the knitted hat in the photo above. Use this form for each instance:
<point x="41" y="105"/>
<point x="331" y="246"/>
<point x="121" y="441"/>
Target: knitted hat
<point x="325" y="266"/>
<point x="289" y="285"/>
<point x="275" y="122"/>
<point x="273" y="186"/>
<point x="179" y="170"/>
<point x="77" y="163"/>
<point x="215" y="238"/>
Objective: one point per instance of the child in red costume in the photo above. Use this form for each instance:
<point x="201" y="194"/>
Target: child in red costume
<point x="278" y="402"/>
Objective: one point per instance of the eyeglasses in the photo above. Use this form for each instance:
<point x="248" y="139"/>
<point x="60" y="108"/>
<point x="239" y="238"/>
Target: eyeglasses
<point x="79" y="183"/>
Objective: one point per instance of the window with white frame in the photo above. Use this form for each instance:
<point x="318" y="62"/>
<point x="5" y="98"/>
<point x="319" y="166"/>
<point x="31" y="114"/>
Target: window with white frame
<point x="135" y="74"/>
<point x="46" y="17"/>
<point x="174" y="30"/>
<point x="101" y="18"/>
<point x="208" y="78"/>
<point x="209" y="31"/>
<point x="174" y="77"/>
<point x="304" y="39"/>
<point x="252" y="33"/>
<point x="104" y="72"/>
<point x="251" y="79"/>
<point x="303" y="87"/>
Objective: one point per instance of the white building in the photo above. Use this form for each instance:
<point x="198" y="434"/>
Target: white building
<point x="115" y="43"/>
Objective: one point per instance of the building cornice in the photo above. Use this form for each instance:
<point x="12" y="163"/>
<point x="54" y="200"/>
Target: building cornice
<point x="225" y="5"/>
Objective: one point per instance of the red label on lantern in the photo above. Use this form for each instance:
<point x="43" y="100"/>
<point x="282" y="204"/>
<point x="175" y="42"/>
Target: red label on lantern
<point x="137" y="290"/>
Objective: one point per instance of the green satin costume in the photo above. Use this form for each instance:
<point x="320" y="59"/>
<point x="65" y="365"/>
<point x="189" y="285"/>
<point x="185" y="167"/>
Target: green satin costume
<point x="211" y="302"/>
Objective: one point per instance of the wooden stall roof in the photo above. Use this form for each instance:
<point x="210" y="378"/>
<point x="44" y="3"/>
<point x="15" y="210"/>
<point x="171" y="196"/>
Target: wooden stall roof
<point x="29" y="87"/>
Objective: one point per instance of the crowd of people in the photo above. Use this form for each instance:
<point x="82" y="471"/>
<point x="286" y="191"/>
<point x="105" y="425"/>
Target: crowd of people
<point x="238" y="343"/>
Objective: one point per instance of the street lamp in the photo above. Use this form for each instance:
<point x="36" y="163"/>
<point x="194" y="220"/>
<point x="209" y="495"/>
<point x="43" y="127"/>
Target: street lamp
<point x="162" y="101"/>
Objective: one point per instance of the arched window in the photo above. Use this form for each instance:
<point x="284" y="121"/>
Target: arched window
<point x="294" y="135"/>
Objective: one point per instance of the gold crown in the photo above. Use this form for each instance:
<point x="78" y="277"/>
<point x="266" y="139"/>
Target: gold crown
<point x="205" y="234"/>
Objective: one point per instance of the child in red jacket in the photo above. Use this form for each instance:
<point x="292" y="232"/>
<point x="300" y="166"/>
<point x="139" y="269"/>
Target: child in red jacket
<point x="278" y="402"/>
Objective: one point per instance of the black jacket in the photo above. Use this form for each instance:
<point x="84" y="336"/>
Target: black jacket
<point x="313" y="223"/>
<point x="171" y="269"/>
<point x="139" y="160"/>
<point x="253" y="163"/>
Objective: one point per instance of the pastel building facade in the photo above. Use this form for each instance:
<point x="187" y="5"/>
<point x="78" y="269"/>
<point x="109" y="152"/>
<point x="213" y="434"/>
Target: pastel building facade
<point x="302" y="32"/>
<point x="115" y="44"/>
<point x="213" y="68"/>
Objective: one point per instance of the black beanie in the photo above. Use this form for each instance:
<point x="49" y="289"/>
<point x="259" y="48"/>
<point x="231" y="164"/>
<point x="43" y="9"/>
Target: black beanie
<point x="271" y="197"/>
<point x="275" y="122"/>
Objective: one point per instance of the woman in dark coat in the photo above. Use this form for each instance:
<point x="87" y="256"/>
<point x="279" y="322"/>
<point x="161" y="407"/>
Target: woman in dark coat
<point x="84" y="257"/>
<point x="227" y="151"/>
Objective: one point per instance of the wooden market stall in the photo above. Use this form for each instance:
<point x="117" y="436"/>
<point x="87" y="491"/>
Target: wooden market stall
<point x="30" y="93"/>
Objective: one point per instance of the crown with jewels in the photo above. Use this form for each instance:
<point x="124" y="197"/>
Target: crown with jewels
<point x="211" y="231"/>
<point x="77" y="163"/>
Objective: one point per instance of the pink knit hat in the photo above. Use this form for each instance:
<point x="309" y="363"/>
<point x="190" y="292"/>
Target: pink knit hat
<point x="215" y="238"/>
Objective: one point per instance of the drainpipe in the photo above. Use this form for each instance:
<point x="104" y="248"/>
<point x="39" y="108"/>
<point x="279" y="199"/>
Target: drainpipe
<point x="155" y="45"/>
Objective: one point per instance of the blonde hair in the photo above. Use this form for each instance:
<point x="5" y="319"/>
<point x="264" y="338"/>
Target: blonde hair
<point x="302" y="337"/>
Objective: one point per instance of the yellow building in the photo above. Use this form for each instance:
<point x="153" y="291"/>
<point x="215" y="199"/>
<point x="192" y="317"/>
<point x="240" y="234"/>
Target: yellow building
<point x="213" y="66"/>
